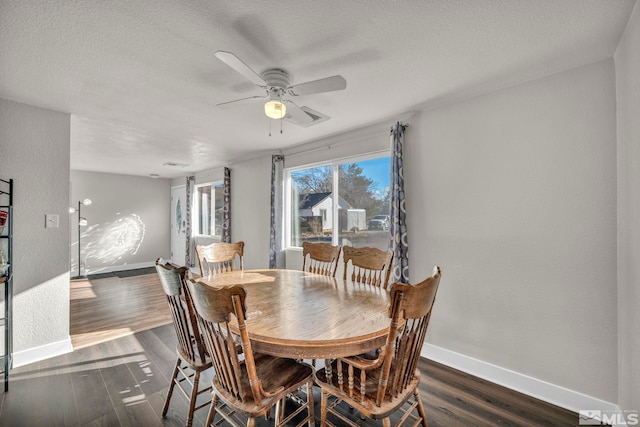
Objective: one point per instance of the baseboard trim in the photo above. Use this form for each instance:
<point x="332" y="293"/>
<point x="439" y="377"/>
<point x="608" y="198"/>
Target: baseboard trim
<point x="36" y="354"/>
<point x="551" y="393"/>
<point x="101" y="270"/>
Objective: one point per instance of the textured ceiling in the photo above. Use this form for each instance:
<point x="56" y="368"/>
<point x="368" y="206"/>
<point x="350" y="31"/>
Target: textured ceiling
<point x="141" y="80"/>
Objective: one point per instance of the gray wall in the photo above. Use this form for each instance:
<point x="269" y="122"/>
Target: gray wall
<point x="513" y="194"/>
<point x="34" y="151"/>
<point x="251" y="209"/>
<point x="627" y="60"/>
<point x="128" y="222"/>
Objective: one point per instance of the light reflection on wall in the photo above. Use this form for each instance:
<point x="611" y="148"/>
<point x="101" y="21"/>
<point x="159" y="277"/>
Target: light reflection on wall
<point x="111" y="242"/>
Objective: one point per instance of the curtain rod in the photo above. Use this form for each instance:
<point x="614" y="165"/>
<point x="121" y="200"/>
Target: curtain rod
<point x="328" y="146"/>
<point x="402" y="125"/>
<point x="297" y="153"/>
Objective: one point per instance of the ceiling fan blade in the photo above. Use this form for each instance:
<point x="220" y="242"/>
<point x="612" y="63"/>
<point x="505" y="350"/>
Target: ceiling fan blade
<point x="297" y="114"/>
<point x="328" y="84"/>
<point x="236" y="63"/>
<point x="237" y="102"/>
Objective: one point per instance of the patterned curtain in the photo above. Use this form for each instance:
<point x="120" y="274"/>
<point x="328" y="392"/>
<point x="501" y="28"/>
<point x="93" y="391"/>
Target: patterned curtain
<point x="190" y="181"/>
<point x="398" y="230"/>
<point x="276" y="254"/>
<point x="226" y="207"/>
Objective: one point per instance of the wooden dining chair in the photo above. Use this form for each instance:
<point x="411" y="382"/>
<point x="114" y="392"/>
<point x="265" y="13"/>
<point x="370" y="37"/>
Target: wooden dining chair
<point x="368" y="265"/>
<point x="378" y="388"/>
<point x="192" y="357"/>
<point x="220" y="257"/>
<point x="322" y="258"/>
<point x="248" y="383"/>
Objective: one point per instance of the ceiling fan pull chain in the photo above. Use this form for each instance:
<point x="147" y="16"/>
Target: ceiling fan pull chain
<point x="269" y="127"/>
<point x="281" y="124"/>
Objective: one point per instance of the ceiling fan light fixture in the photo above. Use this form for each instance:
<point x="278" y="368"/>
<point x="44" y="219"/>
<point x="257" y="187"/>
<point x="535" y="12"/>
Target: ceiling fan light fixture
<point x="275" y="109"/>
<point x="276" y="82"/>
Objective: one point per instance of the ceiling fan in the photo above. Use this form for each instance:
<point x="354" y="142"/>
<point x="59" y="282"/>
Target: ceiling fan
<point x="275" y="81"/>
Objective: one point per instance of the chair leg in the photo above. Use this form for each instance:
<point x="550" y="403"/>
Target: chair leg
<point x="386" y="422"/>
<point x="283" y="403"/>
<point x="251" y="422"/>
<point x="278" y="411"/>
<point x="312" y="421"/>
<point x="323" y="408"/>
<point x="212" y="410"/>
<point x="193" y="398"/>
<point x="171" y="385"/>
<point x="421" y="411"/>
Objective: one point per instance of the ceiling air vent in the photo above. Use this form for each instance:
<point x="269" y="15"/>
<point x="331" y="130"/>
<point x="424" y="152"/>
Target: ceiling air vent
<point x="316" y="116"/>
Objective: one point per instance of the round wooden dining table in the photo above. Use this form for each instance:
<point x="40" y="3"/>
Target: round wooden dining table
<point x="302" y="315"/>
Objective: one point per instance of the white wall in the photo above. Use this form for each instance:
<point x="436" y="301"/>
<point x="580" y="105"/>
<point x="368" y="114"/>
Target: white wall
<point x="251" y="209"/>
<point x="128" y="221"/>
<point x="34" y="151"/>
<point x="627" y="59"/>
<point x="513" y="194"/>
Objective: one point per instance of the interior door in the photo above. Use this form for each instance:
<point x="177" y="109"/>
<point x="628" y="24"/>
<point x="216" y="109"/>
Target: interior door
<point x="178" y="225"/>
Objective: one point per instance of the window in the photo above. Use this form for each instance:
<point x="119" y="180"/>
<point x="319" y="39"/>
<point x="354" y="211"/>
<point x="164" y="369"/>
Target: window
<point x="358" y="217"/>
<point x="208" y="207"/>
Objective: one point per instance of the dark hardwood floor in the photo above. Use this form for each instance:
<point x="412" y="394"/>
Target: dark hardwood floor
<point x="123" y="381"/>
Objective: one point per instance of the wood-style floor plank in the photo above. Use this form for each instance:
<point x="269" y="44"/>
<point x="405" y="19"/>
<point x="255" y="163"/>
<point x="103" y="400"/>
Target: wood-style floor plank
<point x="111" y="307"/>
<point x="121" y="378"/>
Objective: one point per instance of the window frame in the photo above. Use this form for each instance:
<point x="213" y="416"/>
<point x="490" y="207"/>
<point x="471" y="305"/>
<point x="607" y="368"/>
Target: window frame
<point x="334" y="164"/>
<point x="196" y="205"/>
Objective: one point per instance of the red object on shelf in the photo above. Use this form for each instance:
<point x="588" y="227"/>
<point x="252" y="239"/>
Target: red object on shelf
<point x="3" y="217"/>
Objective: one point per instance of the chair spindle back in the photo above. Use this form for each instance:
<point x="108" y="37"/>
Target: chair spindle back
<point x="368" y="265"/>
<point x="220" y="257"/>
<point x="322" y="258"/>
<point x="182" y="311"/>
<point x="410" y="312"/>
<point x="215" y="307"/>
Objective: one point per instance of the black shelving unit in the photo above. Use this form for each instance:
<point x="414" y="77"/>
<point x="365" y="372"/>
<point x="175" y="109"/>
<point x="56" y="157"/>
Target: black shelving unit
<point x="6" y="275"/>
